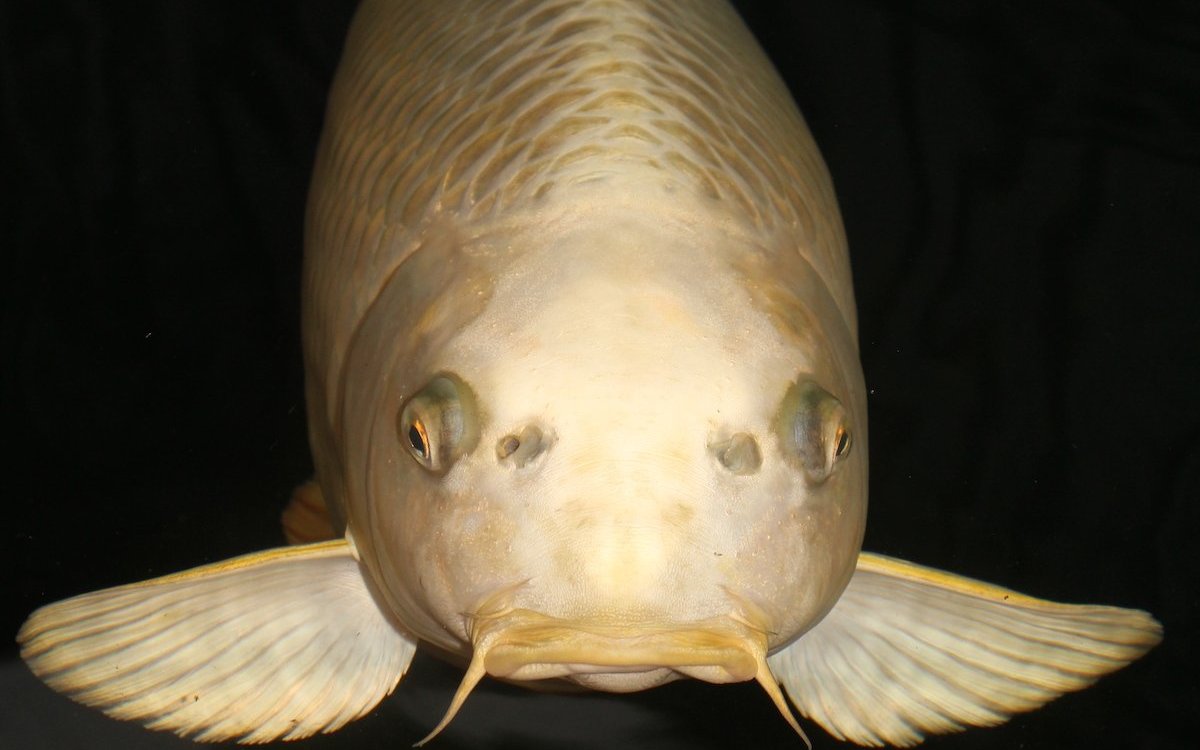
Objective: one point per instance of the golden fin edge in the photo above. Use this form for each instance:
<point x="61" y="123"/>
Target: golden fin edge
<point x="909" y="651"/>
<point x="279" y="644"/>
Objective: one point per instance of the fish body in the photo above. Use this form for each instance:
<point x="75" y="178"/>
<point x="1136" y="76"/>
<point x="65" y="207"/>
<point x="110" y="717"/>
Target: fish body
<point x="580" y="207"/>
<point x="584" y="403"/>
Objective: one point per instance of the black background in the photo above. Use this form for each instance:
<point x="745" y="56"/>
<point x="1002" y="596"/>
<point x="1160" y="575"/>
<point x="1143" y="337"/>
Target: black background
<point x="1021" y="187"/>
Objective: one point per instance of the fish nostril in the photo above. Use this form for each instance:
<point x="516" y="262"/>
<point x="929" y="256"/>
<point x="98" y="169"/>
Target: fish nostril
<point x="739" y="454"/>
<point x="522" y="447"/>
<point x="507" y="446"/>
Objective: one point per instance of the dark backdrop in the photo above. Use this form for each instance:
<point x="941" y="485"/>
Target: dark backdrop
<point x="1020" y="183"/>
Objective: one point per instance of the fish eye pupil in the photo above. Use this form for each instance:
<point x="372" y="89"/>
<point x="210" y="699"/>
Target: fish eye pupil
<point x="843" y="442"/>
<point x="416" y="438"/>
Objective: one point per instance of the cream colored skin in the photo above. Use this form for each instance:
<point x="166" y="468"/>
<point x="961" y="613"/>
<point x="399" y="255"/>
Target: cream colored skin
<point x="584" y="402"/>
<point x="625" y="303"/>
<point x="627" y="517"/>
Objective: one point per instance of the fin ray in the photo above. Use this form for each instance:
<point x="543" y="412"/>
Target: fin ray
<point x="284" y="643"/>
<point x="909" y="650"/>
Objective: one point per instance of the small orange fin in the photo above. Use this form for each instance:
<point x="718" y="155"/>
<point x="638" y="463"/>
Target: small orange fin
<point x="306" y="518"/>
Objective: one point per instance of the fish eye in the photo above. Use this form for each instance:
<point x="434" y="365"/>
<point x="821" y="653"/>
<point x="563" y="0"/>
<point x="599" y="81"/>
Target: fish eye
<point x="439" y="424"/>
<point x="813" y="429"/>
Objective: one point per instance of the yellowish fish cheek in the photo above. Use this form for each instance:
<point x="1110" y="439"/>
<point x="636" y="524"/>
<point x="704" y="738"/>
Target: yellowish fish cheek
<point x="441" y="555"/>
<point x="805" y="547"/>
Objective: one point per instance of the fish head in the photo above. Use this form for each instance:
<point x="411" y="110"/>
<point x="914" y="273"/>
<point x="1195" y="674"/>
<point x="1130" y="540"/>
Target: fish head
<point x="643" y="463"/>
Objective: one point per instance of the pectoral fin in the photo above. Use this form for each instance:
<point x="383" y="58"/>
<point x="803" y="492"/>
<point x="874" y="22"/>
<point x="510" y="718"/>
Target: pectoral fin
<point x="280" y="644"/>
<point x="909" y="650"/>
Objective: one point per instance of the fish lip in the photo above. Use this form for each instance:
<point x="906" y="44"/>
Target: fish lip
<point x="522" y="644"/>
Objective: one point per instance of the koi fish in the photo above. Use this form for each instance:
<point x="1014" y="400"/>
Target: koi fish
<point x="585" y="405"/>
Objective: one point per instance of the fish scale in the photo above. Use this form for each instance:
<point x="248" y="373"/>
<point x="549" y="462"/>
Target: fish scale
<point x="536" y="98"/>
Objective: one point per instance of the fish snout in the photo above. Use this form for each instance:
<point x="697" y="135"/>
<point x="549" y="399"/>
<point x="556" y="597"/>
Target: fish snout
<point x="632" y="551"/>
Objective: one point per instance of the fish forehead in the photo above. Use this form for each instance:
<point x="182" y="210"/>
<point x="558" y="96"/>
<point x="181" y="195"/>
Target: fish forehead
<point x="475" y="111"/>
<point x="645" y="321"/>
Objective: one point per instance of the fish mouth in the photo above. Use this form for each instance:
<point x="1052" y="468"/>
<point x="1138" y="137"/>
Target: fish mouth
<point x="521" y="644"/>
<point x="526" y="645"/>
